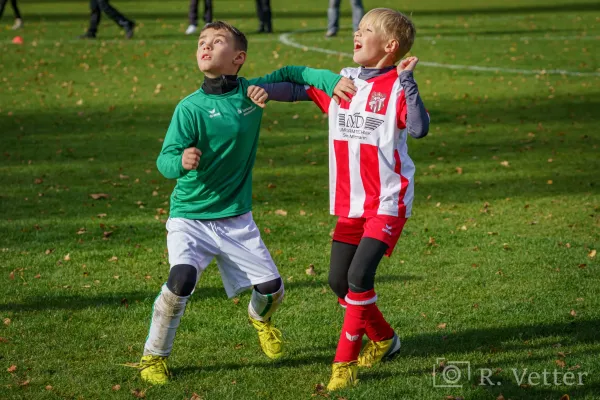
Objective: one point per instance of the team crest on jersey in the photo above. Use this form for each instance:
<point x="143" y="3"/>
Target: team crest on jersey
<point x="377" y="101"/>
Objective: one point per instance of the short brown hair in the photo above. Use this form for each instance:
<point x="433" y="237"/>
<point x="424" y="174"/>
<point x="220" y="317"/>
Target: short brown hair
<point x="393" y="25"/>
<point x="240" y="41"/>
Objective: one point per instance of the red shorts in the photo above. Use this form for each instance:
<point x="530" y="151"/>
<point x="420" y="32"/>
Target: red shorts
<point x="385" y="228"/>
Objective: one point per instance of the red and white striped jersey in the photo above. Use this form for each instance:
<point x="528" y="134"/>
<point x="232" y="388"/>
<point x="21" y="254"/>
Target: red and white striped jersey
<point x="370" y="172"/>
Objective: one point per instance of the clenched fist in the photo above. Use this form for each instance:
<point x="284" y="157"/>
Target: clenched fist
<point x="258" y="95"/>
<point x="191" y="158"/>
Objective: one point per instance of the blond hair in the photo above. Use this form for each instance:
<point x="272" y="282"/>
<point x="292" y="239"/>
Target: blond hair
<point x="393" y="25"/>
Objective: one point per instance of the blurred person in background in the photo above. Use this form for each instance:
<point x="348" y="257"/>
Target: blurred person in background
<point x="99" y="6"/>
<point x="193" y="15"/>
<point x="333" y="16"/>
<point x="263" y="10"/>
<point x="18" y="20"/>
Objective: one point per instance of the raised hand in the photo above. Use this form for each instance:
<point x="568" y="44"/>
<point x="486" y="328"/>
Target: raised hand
<point x="191" y="158"/>
<point x="258" y="95"/>
<point x="408" y="64"/>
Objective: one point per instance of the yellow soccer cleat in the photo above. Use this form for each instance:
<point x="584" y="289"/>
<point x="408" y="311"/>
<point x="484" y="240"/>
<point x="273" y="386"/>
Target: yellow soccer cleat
<point x="153" y="369"/>
<point x="343" y="375"/>
<point x="375" y="352"/>
<point x="270" y="338"/>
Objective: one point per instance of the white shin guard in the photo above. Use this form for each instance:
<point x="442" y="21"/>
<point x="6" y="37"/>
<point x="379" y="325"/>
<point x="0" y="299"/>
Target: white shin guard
<point x="166" y="314"/>
<point x="262" y="306"/>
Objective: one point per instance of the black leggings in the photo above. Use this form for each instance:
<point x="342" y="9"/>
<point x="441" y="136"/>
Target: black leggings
<point x="353" y="267"/>
<point x="13" y="3"/>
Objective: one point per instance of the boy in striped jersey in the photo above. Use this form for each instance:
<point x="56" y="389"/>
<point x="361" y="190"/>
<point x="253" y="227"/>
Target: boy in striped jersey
<point x="371" y="179"/>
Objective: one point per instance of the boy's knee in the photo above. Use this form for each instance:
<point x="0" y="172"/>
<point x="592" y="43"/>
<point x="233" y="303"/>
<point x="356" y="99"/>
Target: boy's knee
<point x="339" y="286"/>
<point x="182" y="279"/>
<point x="270" y="286"/>
<point x="360" y="281"/>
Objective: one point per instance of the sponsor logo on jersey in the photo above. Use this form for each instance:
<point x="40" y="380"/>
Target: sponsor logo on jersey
<point x="247" y="110"/>
<point x="355" y="126"/>
<point x="377" y="101"/>
<point x="213" y="113"/>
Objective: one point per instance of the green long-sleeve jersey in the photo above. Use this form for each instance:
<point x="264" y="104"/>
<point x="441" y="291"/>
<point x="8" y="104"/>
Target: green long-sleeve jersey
<point x="225" y="129"/>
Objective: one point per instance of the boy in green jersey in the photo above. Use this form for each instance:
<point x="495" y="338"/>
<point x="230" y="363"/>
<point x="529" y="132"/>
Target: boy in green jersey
<point x="210" y="148"/>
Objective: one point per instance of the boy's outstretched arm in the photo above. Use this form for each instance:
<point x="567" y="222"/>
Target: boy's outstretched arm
<point x="284" y="92"/>
<point x="179" y="153"/>
<point x="416" y="117"/>
<point x="327" y="81"/>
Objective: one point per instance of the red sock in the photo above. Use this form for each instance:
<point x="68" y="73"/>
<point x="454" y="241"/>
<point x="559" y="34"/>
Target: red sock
<point x="377" y="328"/>
<point x="342" y="302"/>
<point x="353" y="329"/>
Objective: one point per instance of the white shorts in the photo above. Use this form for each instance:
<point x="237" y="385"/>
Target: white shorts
<point x="235" y="242"/>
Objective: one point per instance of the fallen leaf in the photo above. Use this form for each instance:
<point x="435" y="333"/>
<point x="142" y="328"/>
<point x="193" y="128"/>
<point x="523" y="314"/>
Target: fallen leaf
<point x="442" y="325"/>
<point x="38" y="181"/>
<point x="302" y="212"/>
<point x="500" y="397"/>
<point x="236" y="301"/>
<point x="561" y="354"/>
<point x="283" y="213"/>
<point x="140" y="394"/>
<point x="565" y="397"/>
<point x="12" y="368"/>
<point x="101" y="215"/>
<point x="67" y="257"/>
<point x="271" y="186"/>
<point x="107" y="234"/>
<point x="319" y="387"/>
<point x="123" y="176"/>
<point x="459" y="170"/>
<point x="504" y="163"/>
<point x="3" y="340"/>
<point x="116" y="387"/>
<point x="97" y="196"/>
<point x="6" y="321"/>
<point x="38" y="276"/>
<point x="239" y="346"/>
<point x="113" y="259"/>
<point x="560" y="363"/>
<point x="573" y="313"/>
<point x="549" y="182"/>
<point x="592" y="254"/>
<point x="48" y="387"/>
<point x="195" y="396"/>
<point x="81" y="231"/>
<point x="25" y="383"/>
<point x="574" y="367"/>
<point x="311" y="270"/>
<point x="125" y="303"/>
<point x="11" y="276"/>
<point x="267" y="230"/>
<point x="48" y="251"/>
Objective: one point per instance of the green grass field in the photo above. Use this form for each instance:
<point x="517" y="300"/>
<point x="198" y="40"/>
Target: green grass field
<point x="497" y="266"/>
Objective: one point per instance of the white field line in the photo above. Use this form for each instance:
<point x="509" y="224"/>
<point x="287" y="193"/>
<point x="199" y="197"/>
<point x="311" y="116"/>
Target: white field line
<point x="285" y="38"/>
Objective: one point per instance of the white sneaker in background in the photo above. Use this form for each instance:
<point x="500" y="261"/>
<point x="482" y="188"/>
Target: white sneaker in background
<point x="191" y="30"/>
<point x="18" y="24"/>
